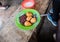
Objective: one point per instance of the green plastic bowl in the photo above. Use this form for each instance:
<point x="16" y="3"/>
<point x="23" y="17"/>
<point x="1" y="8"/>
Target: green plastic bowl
<point x="22" y="27"/>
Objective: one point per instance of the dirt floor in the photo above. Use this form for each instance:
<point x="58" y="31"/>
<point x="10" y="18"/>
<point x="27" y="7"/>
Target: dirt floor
<point x="46" y="33"/>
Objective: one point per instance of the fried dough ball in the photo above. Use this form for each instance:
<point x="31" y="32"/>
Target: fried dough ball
<point x="27" y="23"/>
<point x="33" y="20"/>
<point x="29" y="14"/>
<point x="28" y="18"/>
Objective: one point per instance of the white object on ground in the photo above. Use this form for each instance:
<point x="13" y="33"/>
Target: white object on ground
<point x="2" y="7"/>
<point x="54" y="36"/>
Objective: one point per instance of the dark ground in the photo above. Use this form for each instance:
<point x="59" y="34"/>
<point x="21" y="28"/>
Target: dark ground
<point x="46" y="33"/>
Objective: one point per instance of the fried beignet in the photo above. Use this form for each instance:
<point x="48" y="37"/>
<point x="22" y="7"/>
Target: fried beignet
<point x="27" y="23"/>
<point x="28" y="18"/>
<point x="33" y="20"/>
<point x="29" y="14"/>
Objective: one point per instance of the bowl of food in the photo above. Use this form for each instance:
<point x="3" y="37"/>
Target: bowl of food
<point x="27" y="19"/>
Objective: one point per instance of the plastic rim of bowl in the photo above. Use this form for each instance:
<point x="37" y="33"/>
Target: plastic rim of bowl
<point x="22" y="27"/>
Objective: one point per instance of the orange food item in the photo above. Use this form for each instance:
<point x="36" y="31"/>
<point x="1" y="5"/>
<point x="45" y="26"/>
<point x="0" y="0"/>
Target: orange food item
<point x="28" y="18"/>
<point x="27" y="23"/>
<point x="29" y="14"/>
<point x="33" y="20"/>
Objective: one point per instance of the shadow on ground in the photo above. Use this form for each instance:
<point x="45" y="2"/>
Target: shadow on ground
<point x="45" y="34"/>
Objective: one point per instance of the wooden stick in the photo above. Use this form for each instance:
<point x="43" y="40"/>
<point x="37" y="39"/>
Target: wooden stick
<point x="43" y="15"/>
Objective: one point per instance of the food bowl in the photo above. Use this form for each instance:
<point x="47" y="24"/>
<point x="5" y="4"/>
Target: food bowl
<point x="22" y="27"/>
